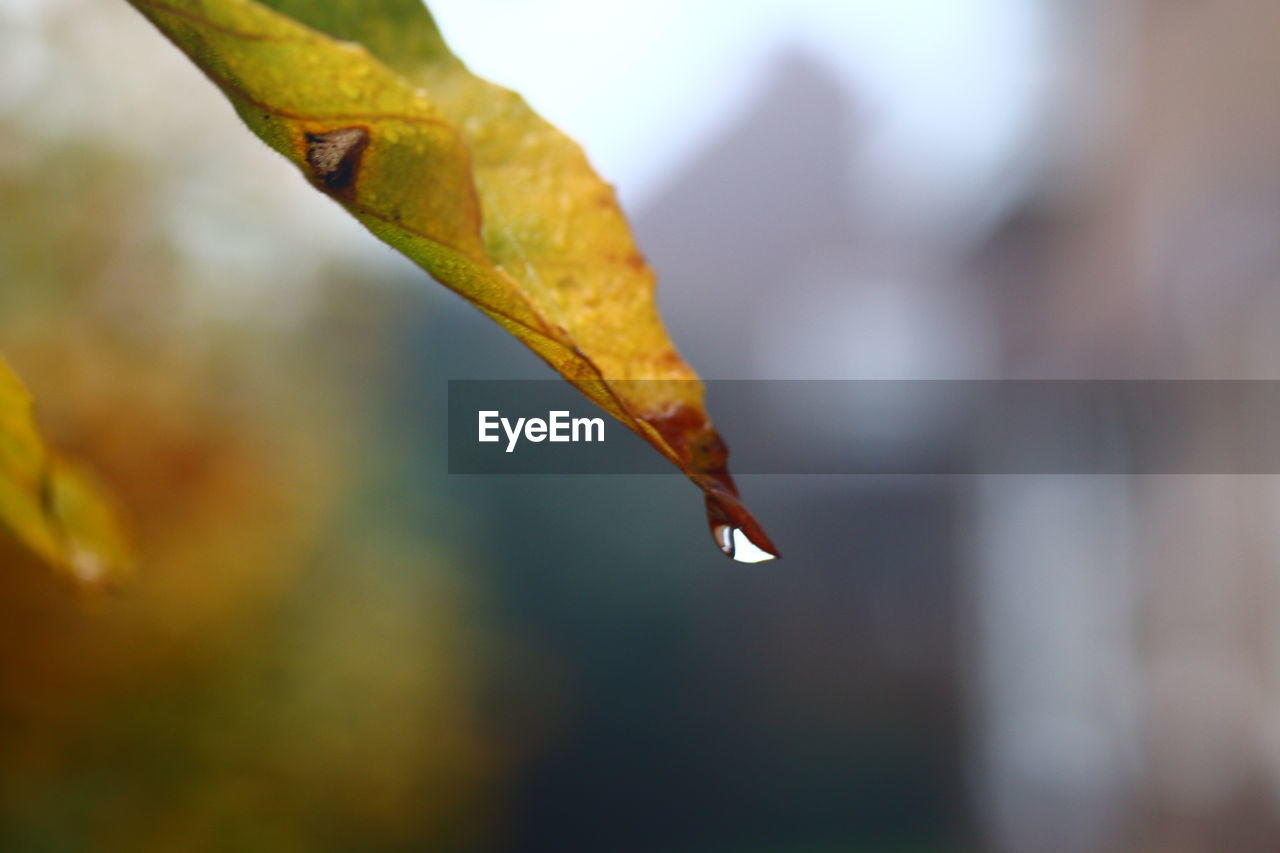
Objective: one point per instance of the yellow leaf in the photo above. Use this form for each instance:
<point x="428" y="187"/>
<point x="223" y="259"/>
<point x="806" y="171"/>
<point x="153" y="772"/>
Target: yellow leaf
<point x="467" y="181"/>
<point x="52" y="506"/>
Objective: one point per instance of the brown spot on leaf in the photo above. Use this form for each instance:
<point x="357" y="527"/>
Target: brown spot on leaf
<point x="334" y="157"/>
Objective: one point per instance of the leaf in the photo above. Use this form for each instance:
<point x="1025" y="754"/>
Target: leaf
<point x="467" y="181"/>
<point x="54" y="508"/>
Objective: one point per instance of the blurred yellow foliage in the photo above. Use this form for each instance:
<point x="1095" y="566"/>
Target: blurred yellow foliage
<point x="287" y="672"/>
<point x="53" y="507"/>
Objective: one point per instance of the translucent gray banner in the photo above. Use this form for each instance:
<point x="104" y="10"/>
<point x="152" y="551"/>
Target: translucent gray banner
<point x="890" y="427"/>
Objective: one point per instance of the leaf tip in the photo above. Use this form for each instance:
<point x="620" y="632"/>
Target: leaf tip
<point x="736" y="532"/>
<point x="701" y="451"/>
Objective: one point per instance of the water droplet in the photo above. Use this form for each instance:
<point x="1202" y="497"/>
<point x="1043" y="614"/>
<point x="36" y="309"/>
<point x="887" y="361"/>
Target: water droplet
<point x="746" y="551"/>
<point x="723" y="534"/>
<point x="736" y="544"/>
<point x="734" y="541"/>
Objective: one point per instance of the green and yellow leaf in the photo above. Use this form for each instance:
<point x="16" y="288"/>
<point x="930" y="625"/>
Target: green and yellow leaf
<point x="467" y="181"/>
<point x="50" y="505"/>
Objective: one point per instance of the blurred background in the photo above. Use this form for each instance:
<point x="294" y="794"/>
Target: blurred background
<point x="334" y="645"/>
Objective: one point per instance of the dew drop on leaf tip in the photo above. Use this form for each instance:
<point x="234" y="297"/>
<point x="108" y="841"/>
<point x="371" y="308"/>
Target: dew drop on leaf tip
<point x="734" y="543"/>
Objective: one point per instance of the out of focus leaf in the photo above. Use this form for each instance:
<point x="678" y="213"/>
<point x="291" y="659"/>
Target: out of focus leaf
<point x="52" y="506"/>
<point x="467" y="181"/>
